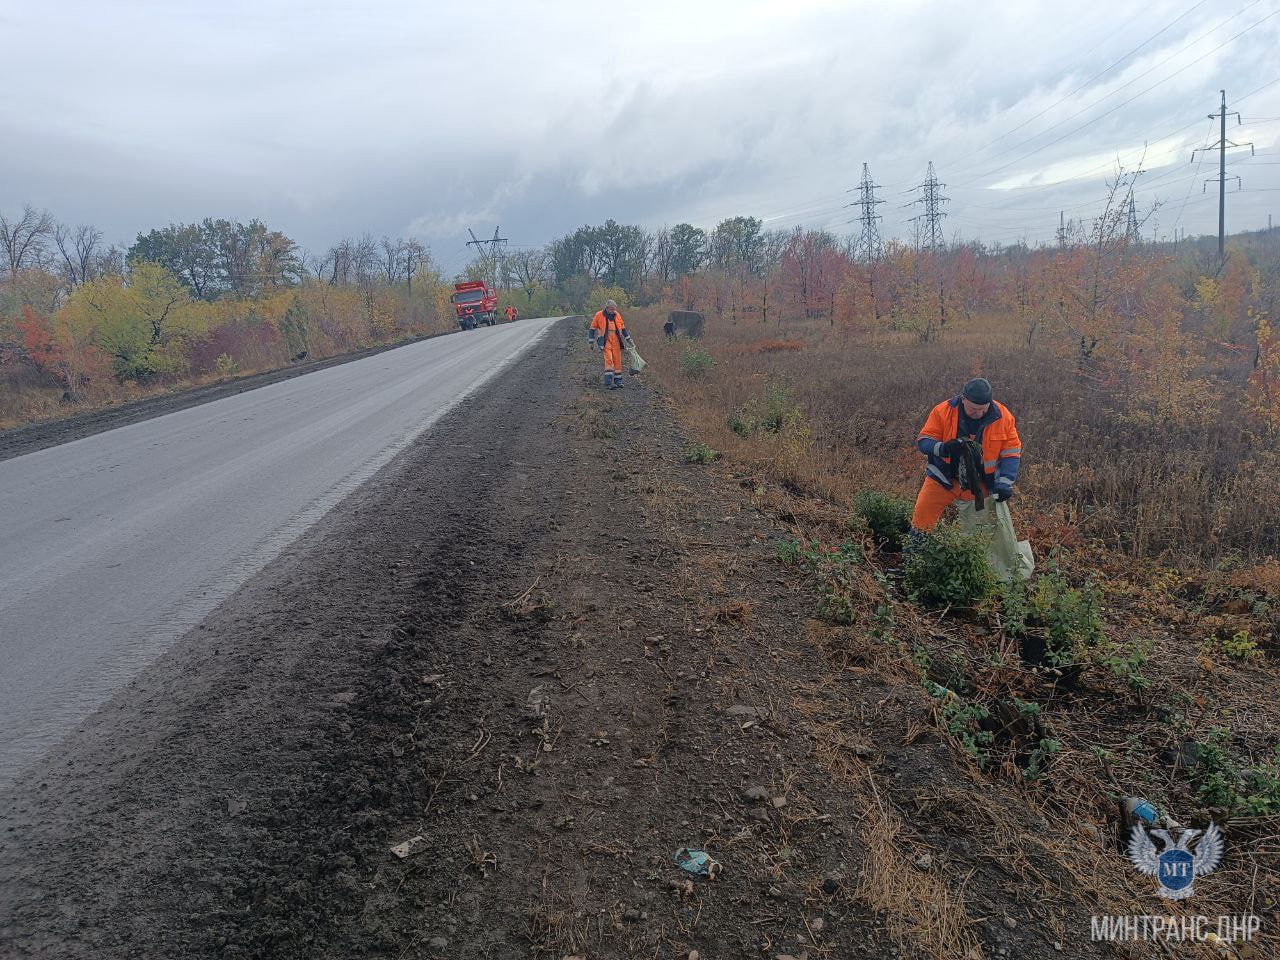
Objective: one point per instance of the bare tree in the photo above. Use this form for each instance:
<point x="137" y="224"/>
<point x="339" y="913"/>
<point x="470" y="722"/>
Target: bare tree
<point x="364" y="259"/>
<point x="110" y="262"/>
<point x="526" y="269"/>
<point x="22" y="240"/>
<point x="79" y="250"/>
<point x="392" y="260"/>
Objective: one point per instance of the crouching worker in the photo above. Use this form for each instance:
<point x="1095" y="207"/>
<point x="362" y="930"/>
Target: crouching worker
<point x="608" y="333"/>
<point x="973" y="415"/>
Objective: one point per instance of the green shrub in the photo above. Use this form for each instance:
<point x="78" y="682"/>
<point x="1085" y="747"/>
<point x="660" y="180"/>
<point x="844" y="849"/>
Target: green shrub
<point x="700" y="453"/>
<point x="949" y="567"/>
<point x="1223" y="780"/>
<point x="1240" y="646"/>
<point x="740" y="423"/>
<point x="1126" y="659"/>
<point x="887" y="517"/>
<point x="780" y="410"/>
<point x="966" y="722"/>
<point x="1067" y="618"/>
<point x="1038" y="761"/>
<point x="695" y="362"/>
<point x="775" y="412"/>
<point x="225" y="365"/>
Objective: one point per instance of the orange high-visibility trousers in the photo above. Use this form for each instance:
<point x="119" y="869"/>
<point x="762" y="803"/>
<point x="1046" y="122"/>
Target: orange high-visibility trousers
<point x="613" y="353"/>
<point x="932" y="500"/>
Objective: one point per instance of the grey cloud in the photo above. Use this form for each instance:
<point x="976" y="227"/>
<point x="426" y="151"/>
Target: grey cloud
<point x="334" y="119"/>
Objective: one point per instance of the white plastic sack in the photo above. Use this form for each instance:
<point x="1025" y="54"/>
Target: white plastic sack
<point x="636" y="361"/>
<point x="1011" y="558"/>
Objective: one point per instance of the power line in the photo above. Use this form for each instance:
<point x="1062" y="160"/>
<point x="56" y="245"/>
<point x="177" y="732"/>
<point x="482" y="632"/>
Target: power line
<point x="1136" y="96"/>
<point x="1092" y="79"/>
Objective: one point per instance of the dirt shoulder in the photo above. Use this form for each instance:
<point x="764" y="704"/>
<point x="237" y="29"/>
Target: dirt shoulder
<point x="556" y="653"/>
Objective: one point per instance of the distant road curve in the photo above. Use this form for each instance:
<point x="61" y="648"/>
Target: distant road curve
<point x="117" y="543"/>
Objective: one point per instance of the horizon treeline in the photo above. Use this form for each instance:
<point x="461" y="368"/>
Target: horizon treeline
<point x="84" y="320"/>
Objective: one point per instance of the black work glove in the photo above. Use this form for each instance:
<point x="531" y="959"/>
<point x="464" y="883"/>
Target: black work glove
<point x="1003" y="494"/>
<point x="952" y="448"/>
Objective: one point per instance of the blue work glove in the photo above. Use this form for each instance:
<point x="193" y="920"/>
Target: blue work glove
<point x="599" y="343"/>
<point x="951" y="448"/>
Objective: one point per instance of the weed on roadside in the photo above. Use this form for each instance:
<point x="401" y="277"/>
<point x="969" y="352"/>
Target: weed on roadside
<point x="949" y="568"/>
<point x="696" y="362"/>
<point x="886" y="517"/>
<point x="700" y="453"/>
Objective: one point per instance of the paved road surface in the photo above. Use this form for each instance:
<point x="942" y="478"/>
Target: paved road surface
<point x="113" y="545"/>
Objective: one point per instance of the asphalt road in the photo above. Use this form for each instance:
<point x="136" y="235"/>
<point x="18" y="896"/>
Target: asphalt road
<point x="113" y="545"/>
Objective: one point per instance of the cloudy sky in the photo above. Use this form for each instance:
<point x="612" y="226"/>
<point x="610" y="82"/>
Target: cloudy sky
<point x="423" y="118"/>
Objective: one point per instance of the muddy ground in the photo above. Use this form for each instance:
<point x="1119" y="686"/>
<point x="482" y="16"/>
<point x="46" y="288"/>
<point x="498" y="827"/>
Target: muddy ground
<point x="552" y="650"/>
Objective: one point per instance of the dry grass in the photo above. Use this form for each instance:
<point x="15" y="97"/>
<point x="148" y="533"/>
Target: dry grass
<point x="1174" y="521"/>
<point x="1098" y="456"/>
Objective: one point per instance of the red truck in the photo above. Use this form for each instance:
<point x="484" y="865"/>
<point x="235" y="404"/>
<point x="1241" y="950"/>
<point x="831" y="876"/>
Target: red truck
<point x="474" y="303"/>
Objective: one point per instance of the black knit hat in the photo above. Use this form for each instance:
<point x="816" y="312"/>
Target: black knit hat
<point x="977" y="390"/>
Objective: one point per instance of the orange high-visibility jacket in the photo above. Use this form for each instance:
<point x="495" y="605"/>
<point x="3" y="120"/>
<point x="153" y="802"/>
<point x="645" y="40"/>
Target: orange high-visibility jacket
<point x="1001" y="446"/>
<point x="604" y="327"/>
<point x="511" y="313"/>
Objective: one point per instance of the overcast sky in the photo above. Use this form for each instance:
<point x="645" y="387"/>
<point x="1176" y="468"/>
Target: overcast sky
<point x="424" y="118"/>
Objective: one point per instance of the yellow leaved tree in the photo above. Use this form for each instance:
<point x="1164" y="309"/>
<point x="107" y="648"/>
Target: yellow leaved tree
<point x="143" y="324"/>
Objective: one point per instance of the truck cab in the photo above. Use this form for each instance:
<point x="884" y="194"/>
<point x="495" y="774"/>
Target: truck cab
<point x="474" y="303"/>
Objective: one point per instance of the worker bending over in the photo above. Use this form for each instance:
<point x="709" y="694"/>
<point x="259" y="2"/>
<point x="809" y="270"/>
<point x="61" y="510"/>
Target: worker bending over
<point x="973" y="415"/>
<point x="608" y="333"/>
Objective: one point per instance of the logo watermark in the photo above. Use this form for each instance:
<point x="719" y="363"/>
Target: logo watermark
<point x="1177" y="866"/>
<point x="1229" y="928"/>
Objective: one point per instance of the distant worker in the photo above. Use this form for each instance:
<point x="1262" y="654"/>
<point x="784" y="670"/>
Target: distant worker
<point x="608" y="333"/>
<point x="512" y="313"/>
<point x="973" y="415"/>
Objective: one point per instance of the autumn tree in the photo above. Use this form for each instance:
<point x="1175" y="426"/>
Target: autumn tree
<point x="142" y="324"/>
<point x="222" y="257"/>
<point x="64" y="350"/>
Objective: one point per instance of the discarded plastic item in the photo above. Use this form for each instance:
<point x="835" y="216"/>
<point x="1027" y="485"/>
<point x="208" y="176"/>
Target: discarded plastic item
<point x="412" y="846"/>
<point x="1136" y="808"/>
<point x="1144" y="810"/>
<point x="697" y="862"/>
<point x="1011" y="558"/>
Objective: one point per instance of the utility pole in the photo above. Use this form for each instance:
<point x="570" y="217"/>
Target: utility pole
<point x="1221" y="146"/>
<point x="490" y="251"/>
<point x="1062" y="230"/>
<point x="870" y="246"/>
<point x="932" y="198"/>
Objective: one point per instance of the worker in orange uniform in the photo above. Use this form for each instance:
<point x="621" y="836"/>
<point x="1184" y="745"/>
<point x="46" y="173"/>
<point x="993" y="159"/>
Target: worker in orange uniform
<point x="608" y="333"/>
<point x="973" y="415"/>
<point x="511" y="313"/>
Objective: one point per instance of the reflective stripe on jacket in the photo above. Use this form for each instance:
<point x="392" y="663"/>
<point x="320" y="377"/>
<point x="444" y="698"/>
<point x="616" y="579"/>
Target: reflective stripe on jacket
<point x="997" y="431"/>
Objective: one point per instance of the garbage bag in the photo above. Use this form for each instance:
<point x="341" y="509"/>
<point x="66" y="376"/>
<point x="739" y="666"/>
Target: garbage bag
<point x="1010" y="558"/>
<point x="636" y="362"/>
